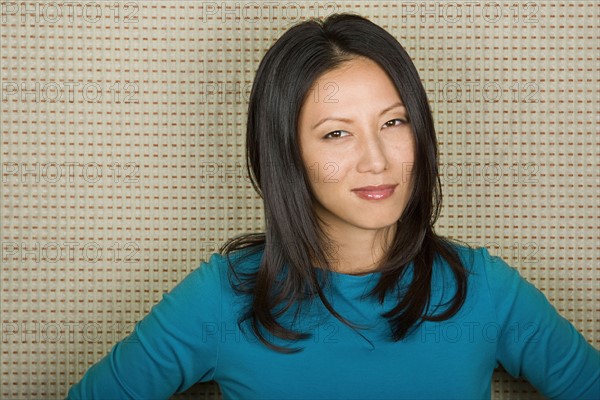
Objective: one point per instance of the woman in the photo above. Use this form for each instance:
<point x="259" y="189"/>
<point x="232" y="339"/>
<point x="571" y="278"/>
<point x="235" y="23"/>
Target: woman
<point x="349" y="293"/>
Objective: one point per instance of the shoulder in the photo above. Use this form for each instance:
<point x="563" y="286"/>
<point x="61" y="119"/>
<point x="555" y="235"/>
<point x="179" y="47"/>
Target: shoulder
<point x="491" y="282"/>
<point x="487" y="272"/>
<point x="493" y="275"/>
<point x="222" y="270"/>
<point x="208" y="283"/>
<point x="478" y="260"/>
<point x="243" y="260"/>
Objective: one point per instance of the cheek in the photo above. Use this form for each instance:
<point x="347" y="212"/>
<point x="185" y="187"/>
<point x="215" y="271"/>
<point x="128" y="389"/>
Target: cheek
<point x="402" y="153"/>
<point x="329" y="170"/>
<point x="402" y="163"/>
<point x="313" y="167"/>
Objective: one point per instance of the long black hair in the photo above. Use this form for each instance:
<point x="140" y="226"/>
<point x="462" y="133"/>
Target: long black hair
<point x="293" y="240"/>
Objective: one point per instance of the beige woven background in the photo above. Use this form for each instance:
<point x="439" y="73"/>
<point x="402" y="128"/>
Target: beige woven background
<point x="123" y="140"/>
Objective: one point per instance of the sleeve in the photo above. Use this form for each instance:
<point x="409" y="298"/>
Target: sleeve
<point x="535" y="341"/>
<point x="169" y="350"/>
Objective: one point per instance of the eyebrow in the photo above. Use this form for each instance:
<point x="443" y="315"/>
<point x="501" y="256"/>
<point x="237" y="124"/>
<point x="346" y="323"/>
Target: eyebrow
<point x="397" y="104"/>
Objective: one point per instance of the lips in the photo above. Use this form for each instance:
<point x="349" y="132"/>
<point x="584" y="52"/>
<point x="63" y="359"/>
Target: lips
<point x="379" y="192"/>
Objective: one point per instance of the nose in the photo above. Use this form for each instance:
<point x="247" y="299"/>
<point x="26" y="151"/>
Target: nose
<point x="373" y="155"/>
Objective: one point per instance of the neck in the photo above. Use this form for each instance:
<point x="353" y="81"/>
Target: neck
<point x="359" y="251"/>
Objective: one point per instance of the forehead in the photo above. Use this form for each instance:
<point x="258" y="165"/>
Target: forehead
<point x="356" y="85"/>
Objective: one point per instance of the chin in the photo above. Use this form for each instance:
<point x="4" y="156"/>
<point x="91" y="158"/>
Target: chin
<point x="377" y="223"/>
<point x="380" y="219"/>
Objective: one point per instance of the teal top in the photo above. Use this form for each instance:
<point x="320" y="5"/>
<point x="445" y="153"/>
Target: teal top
<point x="192" y="335"/>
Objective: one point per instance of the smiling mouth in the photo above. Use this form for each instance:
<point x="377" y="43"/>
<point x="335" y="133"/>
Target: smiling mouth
<point x="375" y="192"/>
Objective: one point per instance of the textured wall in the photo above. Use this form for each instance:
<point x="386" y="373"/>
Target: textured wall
<point x="122" y="155"/>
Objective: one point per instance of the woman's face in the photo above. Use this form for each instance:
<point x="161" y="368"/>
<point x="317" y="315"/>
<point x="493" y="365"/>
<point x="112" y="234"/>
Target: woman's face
<point x="353" y="134"/>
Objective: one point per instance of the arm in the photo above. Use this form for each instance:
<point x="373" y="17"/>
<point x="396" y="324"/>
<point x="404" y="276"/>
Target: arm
<point x="169" y="349"/>
<point x="535" y="341"/>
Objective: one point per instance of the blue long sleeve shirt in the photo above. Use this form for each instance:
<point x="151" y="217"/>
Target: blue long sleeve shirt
<point x="192" y="335"/>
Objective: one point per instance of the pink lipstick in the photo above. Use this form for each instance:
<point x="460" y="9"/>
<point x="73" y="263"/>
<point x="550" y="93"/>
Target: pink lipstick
<point x="375" y="192"/>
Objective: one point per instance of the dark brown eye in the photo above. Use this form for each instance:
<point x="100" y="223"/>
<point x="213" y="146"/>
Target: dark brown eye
<point x="395" y="122"/>
<point x="333" y="135"/>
